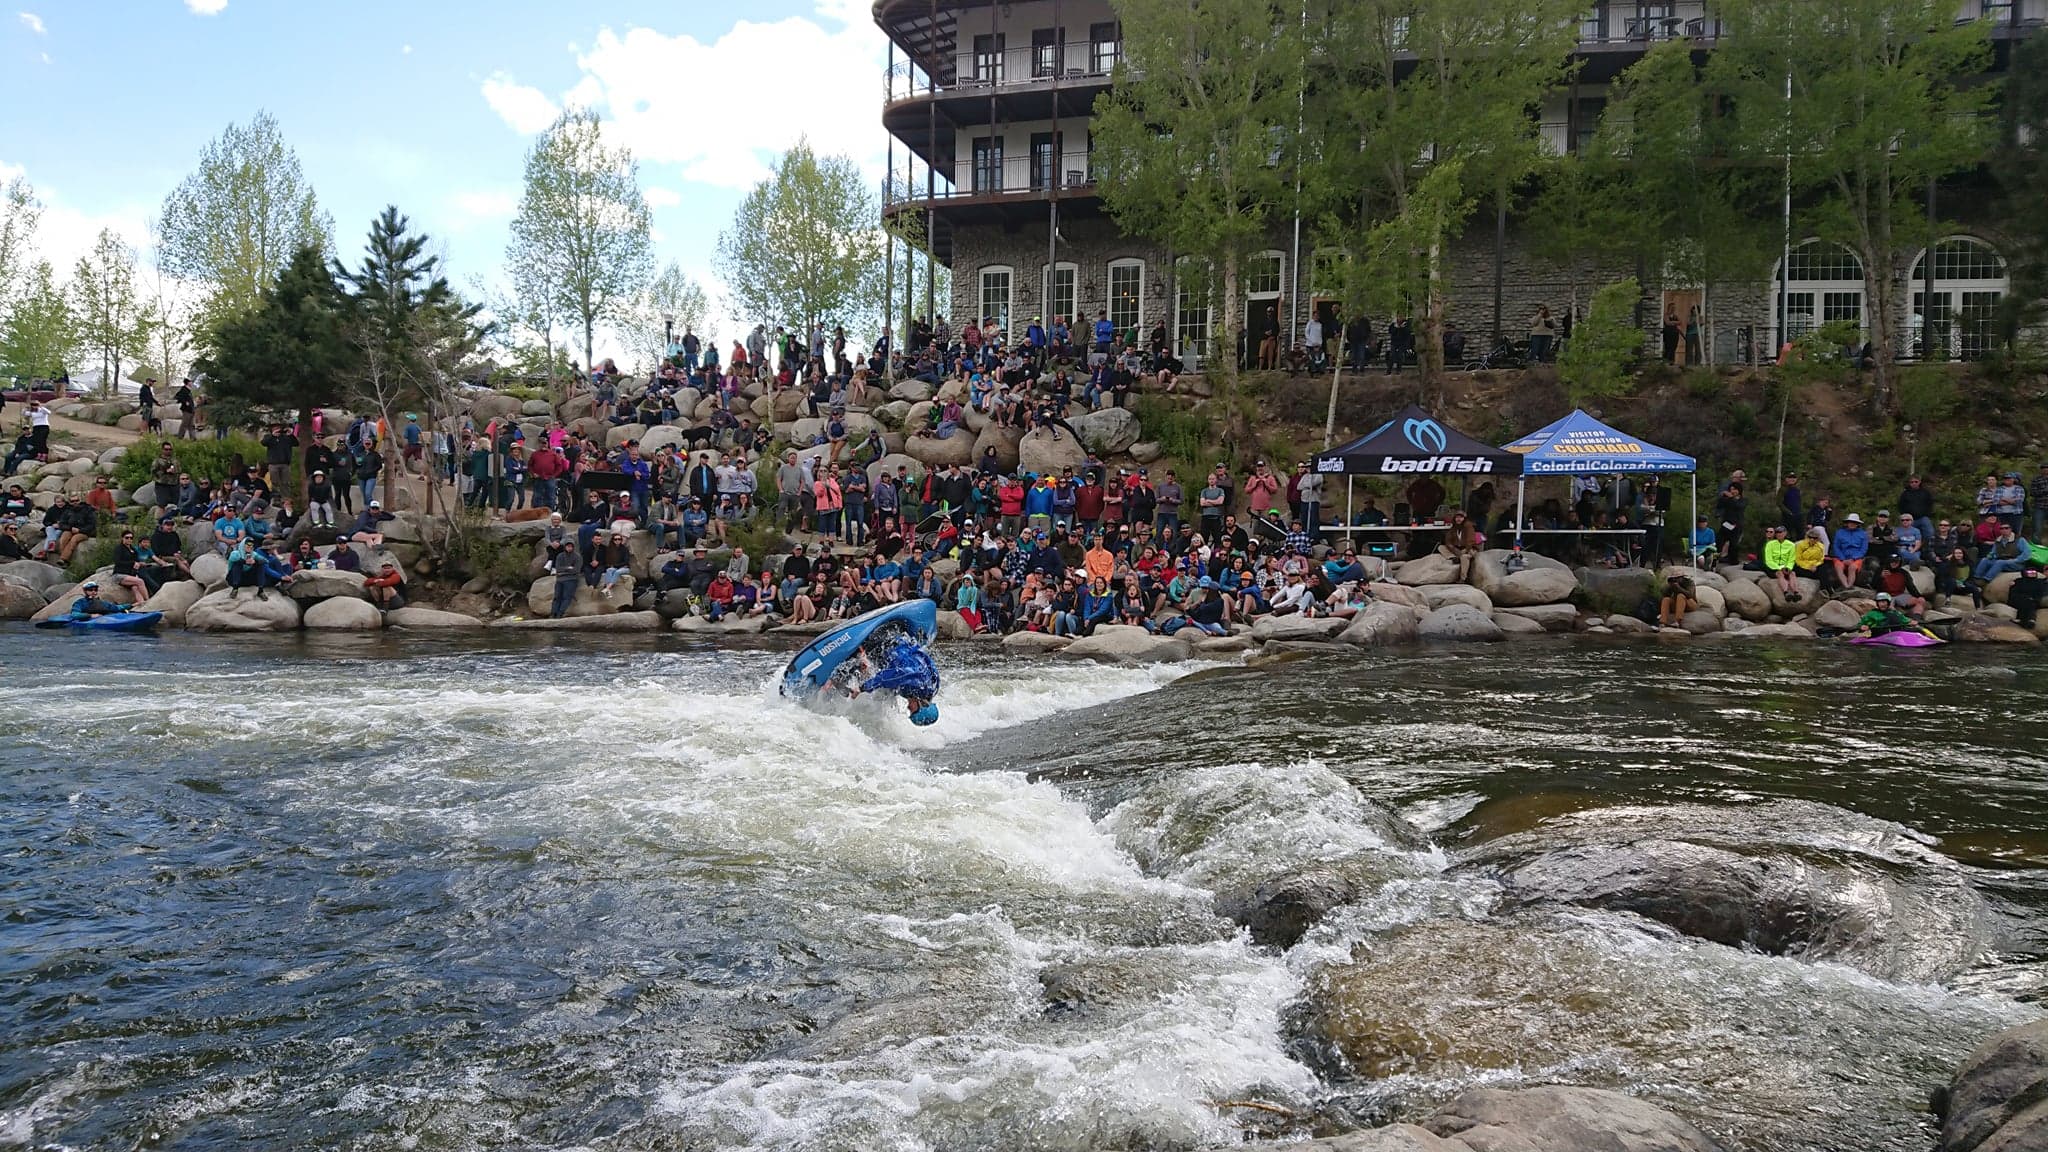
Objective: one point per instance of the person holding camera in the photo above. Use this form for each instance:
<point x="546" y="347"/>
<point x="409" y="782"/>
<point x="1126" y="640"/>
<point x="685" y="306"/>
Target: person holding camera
<point x="1679" y="597"/>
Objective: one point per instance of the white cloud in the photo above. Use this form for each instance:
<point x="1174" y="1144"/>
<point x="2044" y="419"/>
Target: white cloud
<point x="662" y="197"/>
<point x="32" y="22"/>
<point x="67" y="232"/>
<point x="206" y="7"/>
<point x="519" y="105"/>
<point x="632" y="81"/>
<point x="486" y="204"/>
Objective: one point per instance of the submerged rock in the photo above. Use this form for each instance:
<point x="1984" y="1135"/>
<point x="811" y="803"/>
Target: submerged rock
<point x="1458" y="622"/>
<point x="1785" y="878"/>
<point x="1557" y="1118"/>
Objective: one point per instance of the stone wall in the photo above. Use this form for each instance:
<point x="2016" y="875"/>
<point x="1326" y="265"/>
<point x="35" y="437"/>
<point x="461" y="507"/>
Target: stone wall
<point x="1527" y="281"/>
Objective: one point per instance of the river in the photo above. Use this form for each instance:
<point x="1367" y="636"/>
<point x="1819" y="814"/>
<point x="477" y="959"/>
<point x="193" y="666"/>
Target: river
<point x="373" y="893"/>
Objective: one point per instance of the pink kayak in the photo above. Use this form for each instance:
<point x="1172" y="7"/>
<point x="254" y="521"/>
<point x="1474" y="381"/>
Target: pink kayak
<point x="1899" y="640"/>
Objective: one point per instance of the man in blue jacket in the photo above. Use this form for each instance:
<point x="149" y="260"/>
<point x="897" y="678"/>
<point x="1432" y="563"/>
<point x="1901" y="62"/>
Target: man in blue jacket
<point x="1851" y="545"/>
<point x="908" y="671"/>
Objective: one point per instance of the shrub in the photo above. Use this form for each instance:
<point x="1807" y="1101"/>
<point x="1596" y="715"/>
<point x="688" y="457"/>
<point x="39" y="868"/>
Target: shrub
<point x="209" y="461"/>
<point x="1600" y="359"/>
<point x="1178" y="432"/>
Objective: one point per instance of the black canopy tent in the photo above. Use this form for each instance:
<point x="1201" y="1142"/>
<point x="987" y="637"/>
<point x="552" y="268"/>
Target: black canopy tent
<point x="1414" y="443"/>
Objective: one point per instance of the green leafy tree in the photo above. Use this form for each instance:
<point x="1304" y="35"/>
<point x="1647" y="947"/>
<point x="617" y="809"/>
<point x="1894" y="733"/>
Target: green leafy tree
<point x="1197" y="142"/>
<point x="582" y="246"/>
<point x="1600" y="359"/>
<point x="1881" y="104"/>
<point x="409" y="331"/>
<point x="288" y="353"/>
<point x="238" y="218"/>
<point x="671" y="301"/>
<point x="114" y="320"/>
<point x="2021" y="166"/>
<point x="39" y="337"/>
<point x="1429" y="109"/>
<point x="20" y="213"/>
<point x="805" y="246"/>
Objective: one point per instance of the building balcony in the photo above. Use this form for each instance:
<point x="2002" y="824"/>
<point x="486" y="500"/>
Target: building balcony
<point x="975" y="75"/>
<point x="1007" y="191"/>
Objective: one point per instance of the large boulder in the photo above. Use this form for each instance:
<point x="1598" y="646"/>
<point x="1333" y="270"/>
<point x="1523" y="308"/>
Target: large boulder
<point x="1549" y="617"/>
<point x="1036" y="642"/>
<point x="1559" y="1118"/>
<point x="1005" y="442"/>
<point x="1435" y="596"/>
<point x="209" y="568"/>
<point x="223" y="611"/>
<point x="616" y="622"/>
<point x="911" y="391"/>
<point x="1998" y="1098"/>
<point x="620" y="433"/>
<point x="1775" y="632"/>
<point x="1807" y="589"/>
<point x="661" y="436"/>
<point x="1125" y="644"/>
<point x="1435" y="568"/>
<point x="1985" y="628"/>
<point x="1458" y="622"/>
<point x="934" y="452"/>
<point x="1382" y="624"/>
<point x="1745" y="599"/>
<point x="890" y="463"/>
<point x="343" y="614"/>
<point x="787" y="404"/>
<point x="1109" y="430"/>
<point x="536" y="407"/>
<point x="492" y="405"/>
<point x="1298" y="627"/>
<point x="730" y="626"/>
<point x="314" y="584"/>
<point x="1836" y="614"/>
<point x="33" y="574"/>
<point x="892" y="415"/>
<point x="540" y="599"/>
<point x="174" y="600"/>
<point x="1539" y="580"/>
<point x="1512" y="625"/>
<point x="19" y="601"/>
<point x="1278" y="912"/>
<point x="1045" y="451"/>
<point x="1712" y="601"/>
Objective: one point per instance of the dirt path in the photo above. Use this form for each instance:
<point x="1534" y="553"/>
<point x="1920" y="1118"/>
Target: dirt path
<point x="83" y="434"/>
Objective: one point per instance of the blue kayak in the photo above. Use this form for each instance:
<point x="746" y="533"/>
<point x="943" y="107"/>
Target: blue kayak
<point x="111" y="622"/>
<point x="813" y="667"/>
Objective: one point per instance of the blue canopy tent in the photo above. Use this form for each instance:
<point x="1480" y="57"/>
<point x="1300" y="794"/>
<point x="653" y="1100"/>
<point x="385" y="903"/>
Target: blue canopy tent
<point x="1579" y="445"/>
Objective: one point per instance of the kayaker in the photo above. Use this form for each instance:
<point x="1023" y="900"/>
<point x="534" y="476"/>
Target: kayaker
<point x="90" y="604"/>
<point x="1883" y="619"/>
<point x="908" y="671"/>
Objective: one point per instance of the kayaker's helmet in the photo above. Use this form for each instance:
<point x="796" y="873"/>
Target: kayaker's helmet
<point x="925" y="716"/>
<point x="1884" y="597"/>
<point x="89" y="586"/>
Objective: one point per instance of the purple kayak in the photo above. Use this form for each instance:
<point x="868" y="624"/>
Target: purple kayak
<point x="1900" y="640"/>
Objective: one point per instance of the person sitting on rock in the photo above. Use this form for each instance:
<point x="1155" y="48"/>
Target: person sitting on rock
<point x="1780" y="559"/>
<point x="1896" y="582"/>
<point x="1461" y="543"/>
<point x="368" y="528"/>
<point x="1679" y="597"/>
<point x="386" y="587"/>
<point x="2025" y="595"/>
<point x="1850" y="549"/>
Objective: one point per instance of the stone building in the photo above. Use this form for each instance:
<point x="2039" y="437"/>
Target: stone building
<point x="988" y="108"/>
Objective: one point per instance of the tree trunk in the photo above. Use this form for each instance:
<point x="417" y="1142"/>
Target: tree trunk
<point x="1878" y="289"/>
<point x="1330" y="416"/>
<point x="1429" y="348"/>
<point x="589" y="344"/>
<point x="1233" y="419"/>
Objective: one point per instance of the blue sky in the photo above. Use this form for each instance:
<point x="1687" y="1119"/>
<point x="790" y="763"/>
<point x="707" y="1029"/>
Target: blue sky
<point x="430" y="106"/>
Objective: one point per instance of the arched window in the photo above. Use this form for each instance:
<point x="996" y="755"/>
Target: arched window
<point x="998" y="283"/>
<point x="1127" y="296"/>
<point x="1970" y="281"/>
<point x="1822" y="284"/>
<point x="1060" y="290"/>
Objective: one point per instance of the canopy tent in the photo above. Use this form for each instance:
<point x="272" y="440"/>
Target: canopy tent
<point x="1414" y="443"/>
<point x="1579" y="445"/>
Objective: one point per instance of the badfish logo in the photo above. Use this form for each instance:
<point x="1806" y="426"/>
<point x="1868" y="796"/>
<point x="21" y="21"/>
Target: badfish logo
<point x="1425" y="435"/>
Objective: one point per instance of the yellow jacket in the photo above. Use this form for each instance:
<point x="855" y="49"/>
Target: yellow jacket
<point x="1810" y="553"/>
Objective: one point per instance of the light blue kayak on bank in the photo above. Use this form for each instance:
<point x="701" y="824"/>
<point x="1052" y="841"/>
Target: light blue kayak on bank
<point x="813" y="667"/>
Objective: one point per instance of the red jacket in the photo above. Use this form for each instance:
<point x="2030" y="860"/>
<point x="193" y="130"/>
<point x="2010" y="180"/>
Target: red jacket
<point x="1010" y="498"/>
<point x="1088" y="502"/>
<point x="547" y="464"/>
